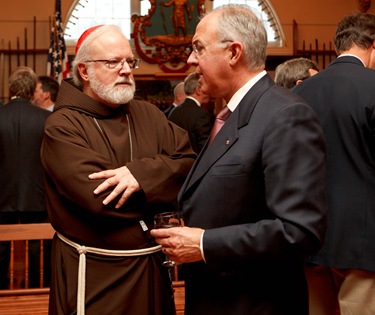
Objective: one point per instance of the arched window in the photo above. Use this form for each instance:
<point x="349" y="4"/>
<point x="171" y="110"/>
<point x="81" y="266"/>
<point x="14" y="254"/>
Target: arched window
<point x="265" y="13"/>
<point x="84" y="14"/>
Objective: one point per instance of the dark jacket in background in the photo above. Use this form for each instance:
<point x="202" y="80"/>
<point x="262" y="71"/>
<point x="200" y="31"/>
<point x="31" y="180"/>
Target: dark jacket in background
<point x="195" y="120"/>
<point x="21" y="134"/>
<point x="343" y="96"/>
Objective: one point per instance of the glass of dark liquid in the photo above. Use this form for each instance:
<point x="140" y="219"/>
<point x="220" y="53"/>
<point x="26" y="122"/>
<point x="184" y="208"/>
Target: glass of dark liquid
<point x="163" y="221"/>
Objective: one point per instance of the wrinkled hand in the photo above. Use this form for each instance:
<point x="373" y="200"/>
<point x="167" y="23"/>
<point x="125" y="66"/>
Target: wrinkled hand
<point x="124" y="181"/>
<point x="181" y="244"/>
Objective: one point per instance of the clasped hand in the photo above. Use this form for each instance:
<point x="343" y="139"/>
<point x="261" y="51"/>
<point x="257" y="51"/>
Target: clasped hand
<point x="124" y="181"/>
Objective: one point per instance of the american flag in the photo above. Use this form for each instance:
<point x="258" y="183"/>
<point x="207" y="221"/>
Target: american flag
<point x="57" y="62"/>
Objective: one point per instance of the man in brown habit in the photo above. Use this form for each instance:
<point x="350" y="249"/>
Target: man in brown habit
<point x="104" y="261"/>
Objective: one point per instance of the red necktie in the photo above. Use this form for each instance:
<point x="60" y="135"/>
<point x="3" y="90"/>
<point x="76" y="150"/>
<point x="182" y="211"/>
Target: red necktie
<point x="220" y="119"/>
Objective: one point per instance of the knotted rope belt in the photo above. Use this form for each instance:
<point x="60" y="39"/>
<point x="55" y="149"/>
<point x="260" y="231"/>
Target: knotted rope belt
<point x="82" y="250"/>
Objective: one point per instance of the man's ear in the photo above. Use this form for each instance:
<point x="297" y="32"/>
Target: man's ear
<point x="198" y="90"/>
<point x="47" y="95"/>
<point x="299" y="81"/>
<point x="236" y="50"/>
<point x="82" y="69"/>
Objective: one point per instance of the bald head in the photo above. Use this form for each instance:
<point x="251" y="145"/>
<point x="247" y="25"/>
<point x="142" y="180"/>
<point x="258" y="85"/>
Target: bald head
<point x="179" y="93"/>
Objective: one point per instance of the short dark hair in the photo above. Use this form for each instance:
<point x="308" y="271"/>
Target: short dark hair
<point x="50" y="85"/>
<point x="355" y="29"/>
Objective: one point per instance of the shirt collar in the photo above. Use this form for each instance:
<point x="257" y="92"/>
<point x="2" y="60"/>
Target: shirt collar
<point x="351" y="55"/>
<point x="196" y="101"/>
<point x="238" y="96"/>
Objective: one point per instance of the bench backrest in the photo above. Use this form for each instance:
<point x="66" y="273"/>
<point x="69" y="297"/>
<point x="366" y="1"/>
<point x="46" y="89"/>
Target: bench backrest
<point x="26" y="233"/>
<point x="21" y="232"/>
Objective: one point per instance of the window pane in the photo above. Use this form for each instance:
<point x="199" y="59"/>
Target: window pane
<point x="145" y="6"/>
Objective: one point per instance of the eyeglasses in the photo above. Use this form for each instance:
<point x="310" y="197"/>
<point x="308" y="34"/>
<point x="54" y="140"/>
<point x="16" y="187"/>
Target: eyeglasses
<point x="199" y="48"/>
<point x="118" y="64"/>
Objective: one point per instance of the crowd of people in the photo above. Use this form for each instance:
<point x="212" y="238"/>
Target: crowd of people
<point x="276" y="195"/>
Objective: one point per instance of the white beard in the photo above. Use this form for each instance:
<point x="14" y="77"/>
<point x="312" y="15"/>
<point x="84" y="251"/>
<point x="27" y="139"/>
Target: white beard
<point x="112" y="93"/>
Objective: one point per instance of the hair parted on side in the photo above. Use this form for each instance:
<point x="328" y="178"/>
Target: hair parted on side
<point x="355" y="29"/>
<point x="50" y="85"/>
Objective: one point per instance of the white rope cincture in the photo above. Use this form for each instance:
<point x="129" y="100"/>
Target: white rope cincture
<point x="81" y="290"/>
<point x="83" y="250"/>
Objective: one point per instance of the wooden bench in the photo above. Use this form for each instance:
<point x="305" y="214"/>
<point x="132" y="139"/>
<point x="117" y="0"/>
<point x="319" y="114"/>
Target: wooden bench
<point x="31" y="301"/>
<point x="26" y="300"/>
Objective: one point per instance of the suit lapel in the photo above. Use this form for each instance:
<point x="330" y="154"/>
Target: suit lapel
<point x="228" y="134"/>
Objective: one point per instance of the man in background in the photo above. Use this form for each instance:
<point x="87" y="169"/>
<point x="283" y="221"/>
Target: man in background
<point x="178" y="97"/>
<point x="190" y="115"/>
<point x="46" y="92"/>
<point x="22" y="187"/>
<point x="292" y="72"/>
<point x="342" y="273"/>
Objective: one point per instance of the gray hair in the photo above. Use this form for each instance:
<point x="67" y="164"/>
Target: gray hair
<point x="240" y="23"/>
<point x="178" y="89"/>
<point x="84" y="52"/>
<point x="191" y="83"/>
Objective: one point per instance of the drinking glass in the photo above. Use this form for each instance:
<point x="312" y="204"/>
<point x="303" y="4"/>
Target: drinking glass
<point x="167" y="220"/>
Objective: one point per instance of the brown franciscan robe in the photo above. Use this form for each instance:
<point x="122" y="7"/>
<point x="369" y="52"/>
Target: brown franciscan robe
<point x="83" y="136"/>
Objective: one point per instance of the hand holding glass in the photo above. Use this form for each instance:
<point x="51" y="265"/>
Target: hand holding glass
<point x="167" y="220"/>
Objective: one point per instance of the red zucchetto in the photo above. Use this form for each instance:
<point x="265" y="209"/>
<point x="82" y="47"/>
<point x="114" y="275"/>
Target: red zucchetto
<point x="85" y="34"/>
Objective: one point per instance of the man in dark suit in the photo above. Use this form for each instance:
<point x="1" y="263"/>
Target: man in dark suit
<point x="343" y="96"/>
<point x="254" y="202"/>
<point x="190" y="115"/>
<point x="178" y="97"/>
<point x="22" y="193"/>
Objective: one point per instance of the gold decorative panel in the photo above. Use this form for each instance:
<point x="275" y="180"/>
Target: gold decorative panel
<point x="164" y="35"/>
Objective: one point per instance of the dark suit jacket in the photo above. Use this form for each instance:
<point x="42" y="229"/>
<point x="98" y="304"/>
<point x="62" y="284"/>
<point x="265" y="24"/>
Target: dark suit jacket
<point x="21" y="133"/>
<point x="195" y="120"/>
<point x="169" y="110"/>
<point x="258" y="190"/>
<point x="343" y="96"/>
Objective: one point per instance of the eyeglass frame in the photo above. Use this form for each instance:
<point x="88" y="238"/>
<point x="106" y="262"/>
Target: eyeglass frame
<point x="135" y="61"/>
<point x="198" y="51"/>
